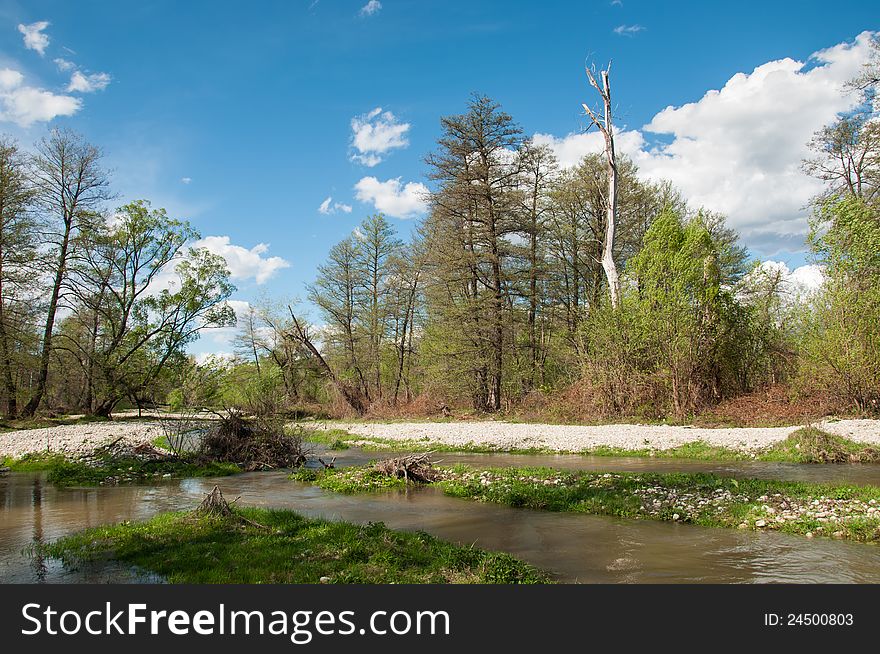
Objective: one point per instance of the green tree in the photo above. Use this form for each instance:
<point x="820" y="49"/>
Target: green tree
<point x="842" y="344"/>
<point x="18" y="266"/>
<point x="140" y="329"/>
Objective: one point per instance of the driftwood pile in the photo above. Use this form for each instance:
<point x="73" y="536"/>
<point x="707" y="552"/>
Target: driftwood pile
<point x="215" y="505"/>
<point x="414" y="468"/>
<point x="252" y="443"/>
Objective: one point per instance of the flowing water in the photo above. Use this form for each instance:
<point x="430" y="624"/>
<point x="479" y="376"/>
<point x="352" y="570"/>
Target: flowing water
<point x="573" y="547"/>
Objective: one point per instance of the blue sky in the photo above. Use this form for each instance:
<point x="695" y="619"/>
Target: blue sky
<point x="238" y="116"/>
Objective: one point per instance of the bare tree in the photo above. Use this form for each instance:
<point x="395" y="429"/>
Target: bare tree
<point x="70" y="187"/>
<point x="606" y="127"/>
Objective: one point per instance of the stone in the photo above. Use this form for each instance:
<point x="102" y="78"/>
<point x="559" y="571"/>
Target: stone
<point x="760" y="523"/>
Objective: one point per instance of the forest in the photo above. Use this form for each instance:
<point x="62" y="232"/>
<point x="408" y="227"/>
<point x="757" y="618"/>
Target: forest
<point x="528" y="289"/>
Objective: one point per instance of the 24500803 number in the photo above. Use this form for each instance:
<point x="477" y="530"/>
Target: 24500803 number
<point x="808" y="619"/>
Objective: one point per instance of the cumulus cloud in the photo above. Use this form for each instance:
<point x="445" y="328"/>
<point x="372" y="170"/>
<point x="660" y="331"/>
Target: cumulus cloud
<point x="371" y="8"/>
<point x="628" y="30"/>
<point x="392" y="197"/>
<point x="376" y="133"/>
<point x="244" y="263"/>
<point x="34" y="38"/>
<point x="25" y="105"/>
<point x="738" y="150"/>
<point x="88" y="83"/>
<point x="797" y="284"/>
<point x="328" y="206"/>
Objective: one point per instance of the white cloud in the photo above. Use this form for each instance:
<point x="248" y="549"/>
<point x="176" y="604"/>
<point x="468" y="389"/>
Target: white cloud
<point x="628" y="30"/>
<point x="328" y="206"/>
<point x="371" y="8"/>
<point x="376" y="133"/>
<point x="738" y="150"/>
<point x="25" y="105"/>
<point x="186" y="180"/>
<point x="34" y="38"/>
<point x="220" y="358"/>
<point x="393" y="198"/>
<point x="799" y="283"/>
<point x="88" y="83"/>
<point x="64" y="65"/>
<point x="244" y="263"/>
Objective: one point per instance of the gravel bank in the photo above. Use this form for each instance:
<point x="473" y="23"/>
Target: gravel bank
<point x="574" y="438"/>
<point x="75" y="439"/>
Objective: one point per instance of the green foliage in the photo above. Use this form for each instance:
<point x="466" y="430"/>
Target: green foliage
<point x="680" y="337"/>
<point x="283" y="547"/>
<point x="841" y="344"/>
<point x="350" y="480"/>
<point x="812" y="445"/>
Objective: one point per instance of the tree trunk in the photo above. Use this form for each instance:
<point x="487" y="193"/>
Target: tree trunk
<point x="31" y="408"/>
<point x="606" y="127"/>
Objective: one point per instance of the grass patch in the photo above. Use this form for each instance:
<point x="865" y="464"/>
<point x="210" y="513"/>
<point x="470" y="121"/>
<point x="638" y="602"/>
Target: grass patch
<point x="709" y="500"/>
<point x="812" y="445"/>
<point x="359" y="479"/>
<point x="185" y="548"/>
<point x="64" y="471"/>
<point x="851" y="512"/>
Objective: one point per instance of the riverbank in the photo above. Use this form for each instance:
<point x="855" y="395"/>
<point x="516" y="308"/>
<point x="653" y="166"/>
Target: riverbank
<point x="845" y="512"/>
<point x="281" y="546"/>
<point x="850" y="437"/>
<point x="76" y="438"/>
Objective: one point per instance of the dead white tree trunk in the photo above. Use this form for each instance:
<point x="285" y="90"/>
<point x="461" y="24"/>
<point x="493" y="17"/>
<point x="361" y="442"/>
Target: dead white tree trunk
<point x="606" y="127"/>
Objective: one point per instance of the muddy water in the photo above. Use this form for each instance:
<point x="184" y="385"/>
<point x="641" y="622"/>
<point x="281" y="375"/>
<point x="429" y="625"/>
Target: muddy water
<point x="844" y="473"/>
<point x="575" y="548"/>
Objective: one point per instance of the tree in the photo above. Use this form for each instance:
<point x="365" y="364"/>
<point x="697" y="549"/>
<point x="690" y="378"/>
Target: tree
<point x="377" y="246"/>
<point x="70" y="187"/>
<point x="18" y="268"/>
<point x="474" y="211"/>
<point x="842" y="344"/>
<point x="336" y="292"/>
<point x="539" y="171"/>
<point x="140" y="328"/>
<point x="847" y="158"/>
<point x="606" y="128"/>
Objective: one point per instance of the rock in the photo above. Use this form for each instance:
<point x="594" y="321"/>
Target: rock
<point x="760" y="523"/>
<point x="742" y="525"/>
<point x="324" y="580"/>
<point x="675" y="516"/>
<point x="809" y="534"/>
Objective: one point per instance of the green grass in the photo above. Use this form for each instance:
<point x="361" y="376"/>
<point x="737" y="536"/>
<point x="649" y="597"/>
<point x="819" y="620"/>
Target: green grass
<point x="812" y="445"/>
<point x="186" y="548"/>
<point x="64" y="471"/>
<point x="356" y="479"/>
<point x="703" y="499"/>
<point x="709" y="500"/>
